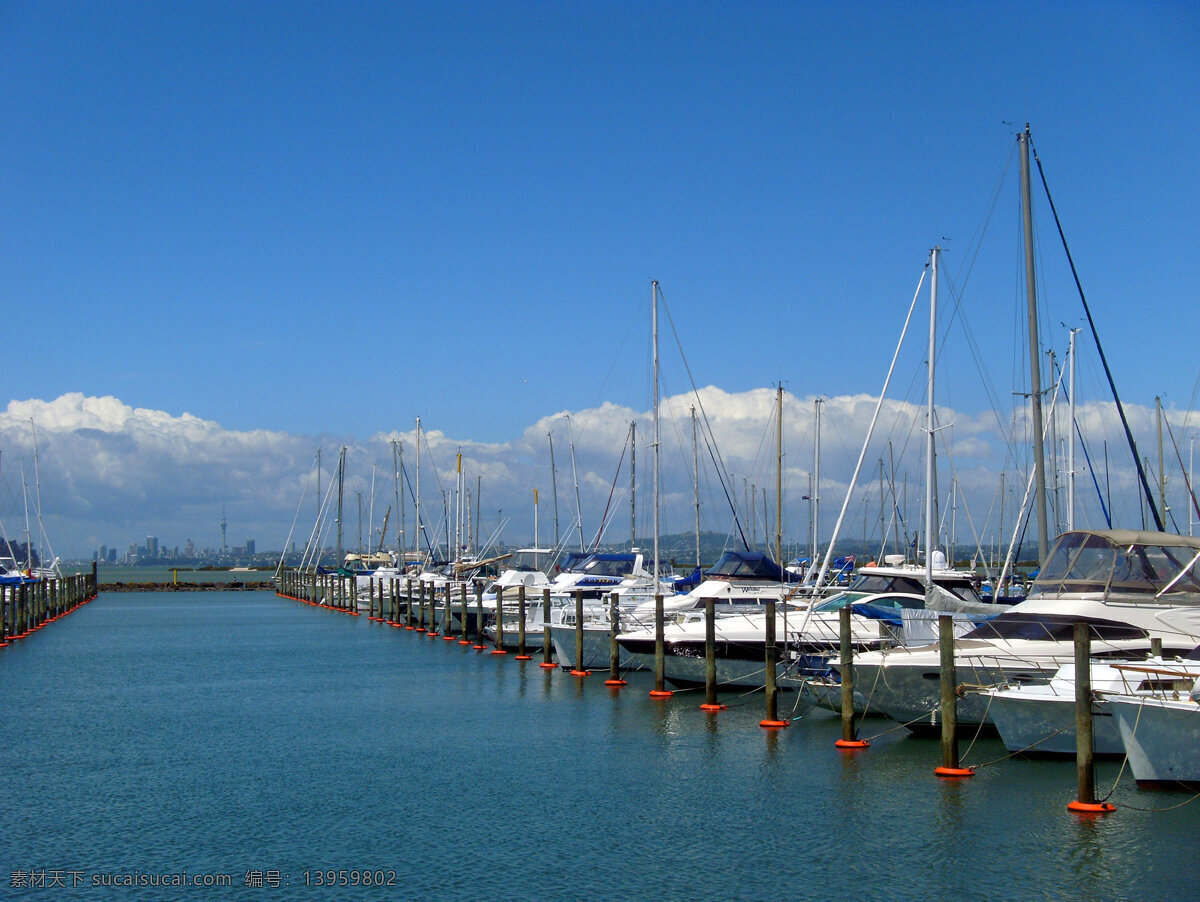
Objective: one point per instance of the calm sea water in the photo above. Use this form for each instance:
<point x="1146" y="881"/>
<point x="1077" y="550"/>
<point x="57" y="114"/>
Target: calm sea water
<point x="243" y="734"/>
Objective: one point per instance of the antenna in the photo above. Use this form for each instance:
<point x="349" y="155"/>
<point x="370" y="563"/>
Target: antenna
<point x="222" y="529"/>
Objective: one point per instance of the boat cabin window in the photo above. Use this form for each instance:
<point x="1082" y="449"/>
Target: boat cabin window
<point x="872" y="583"/>
<point x="1058" y="628"/>
<point x="600" y="566"/>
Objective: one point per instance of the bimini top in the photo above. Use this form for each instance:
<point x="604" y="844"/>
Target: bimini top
<point x="747" y="565"/>
<point x="1122" y="562"/>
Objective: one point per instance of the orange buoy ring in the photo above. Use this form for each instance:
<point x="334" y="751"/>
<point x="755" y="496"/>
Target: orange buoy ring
<point x="1091" y="807"/>
<point x="774" y="724"/>
<point x="661" y="693"/>
<point x="615" y="683"/>
<point x="954" y="772"/>
<point x="708" y="707"/>
<point x="547" y="665"/>
<point x="523" y="658"/>
<point x="581" y="673"/>
<point x="852" y="744"/>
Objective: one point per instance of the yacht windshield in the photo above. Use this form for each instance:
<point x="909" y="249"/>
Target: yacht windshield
<point x="609" y="565"/>
<point x="1058" y="628"/>
<point x="1088" y="562"/>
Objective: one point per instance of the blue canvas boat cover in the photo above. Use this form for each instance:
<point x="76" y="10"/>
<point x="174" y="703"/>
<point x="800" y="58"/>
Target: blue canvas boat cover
<point x="749" y="565"/>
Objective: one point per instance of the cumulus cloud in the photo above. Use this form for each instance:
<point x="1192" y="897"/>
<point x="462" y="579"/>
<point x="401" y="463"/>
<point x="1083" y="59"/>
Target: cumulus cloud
<point x="112" y="474"/>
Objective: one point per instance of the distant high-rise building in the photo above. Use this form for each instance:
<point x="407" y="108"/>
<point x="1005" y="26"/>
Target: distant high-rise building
<point x="249" y="547"/>
<point x="151" y="546"/>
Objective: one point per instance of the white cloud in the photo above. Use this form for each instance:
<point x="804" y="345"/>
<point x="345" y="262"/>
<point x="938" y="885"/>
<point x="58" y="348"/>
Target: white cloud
<point x="112" y="473"/>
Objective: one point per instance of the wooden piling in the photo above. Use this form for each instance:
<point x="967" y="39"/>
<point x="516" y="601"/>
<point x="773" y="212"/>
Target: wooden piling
<point x="547" y="639"/>
<point x="614" y="649"/>
<point x="710" y="658"/>
<point x="521" y="653"/>
<point x="771" y="655"/>
<point x="462" y="636"/>
<point x="579" y="668"/>
<point x="848" y="740"/>
<point x="660" y="689"/>
<point x="1085" y="758"/>
<point x="949" y="704"/>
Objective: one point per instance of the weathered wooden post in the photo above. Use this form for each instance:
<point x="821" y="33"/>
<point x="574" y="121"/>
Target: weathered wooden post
<point x="522" y="655"/>
<point x="448" y="618"/>
<point x="462" y="636"/>
<point x="499" y="649"/>
<point x="579" y="670"/>
<point x="710" y="658"/>
<point x="949" y="707"/>
<point x="614" y="649"/>
<point x="848" y="740"/>
<point x="1085" y="761"/>
<point x="478" y="646"/>
<point x="660" y="689"/>
<point x="408" y="603"/>
<point x="547" y="639"/>
<point x="772" y="721"/>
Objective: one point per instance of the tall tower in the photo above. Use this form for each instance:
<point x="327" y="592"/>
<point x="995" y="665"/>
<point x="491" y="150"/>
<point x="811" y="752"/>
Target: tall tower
<point x="222" y="529"/>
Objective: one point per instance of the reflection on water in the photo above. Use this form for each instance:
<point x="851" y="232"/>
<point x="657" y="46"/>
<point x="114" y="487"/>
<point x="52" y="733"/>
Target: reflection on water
<point x="224" y="732"/>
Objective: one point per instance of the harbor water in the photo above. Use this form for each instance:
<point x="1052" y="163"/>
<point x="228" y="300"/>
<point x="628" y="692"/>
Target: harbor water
<point x="243" y="738"/>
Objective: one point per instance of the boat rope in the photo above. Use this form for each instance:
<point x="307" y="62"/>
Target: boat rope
<point x="1027" y="748"/>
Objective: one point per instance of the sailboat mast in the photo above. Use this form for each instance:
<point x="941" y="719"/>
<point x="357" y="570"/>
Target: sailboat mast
<point x="816" y="486"/>
<point x="654" y="331"/>
<point x="633" y="483"/>
<point x="1035" y="375"/>
<point x="929" y="437"/>
<point x="420" y="526"/>
<point x="341" y="488"/>
<point x="696" y="481"/>
<point x="1071" y="439"/>
<point x="1162" y="473"/>
<point x="575" y="477"/>
<point x="778" y="477"/>
<point x="554" y="487"/>
<point x="398" y="487"/>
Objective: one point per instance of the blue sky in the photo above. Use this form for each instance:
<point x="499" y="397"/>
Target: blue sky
<point x="323" y="220"/>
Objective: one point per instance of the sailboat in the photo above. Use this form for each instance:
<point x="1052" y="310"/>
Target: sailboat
<point x="1131" y="588"/>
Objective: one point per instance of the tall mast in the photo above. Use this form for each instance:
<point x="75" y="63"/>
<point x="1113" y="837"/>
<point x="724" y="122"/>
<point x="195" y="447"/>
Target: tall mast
<point x="654" y="331"/>
<point x="397" y="465"/>
<point x="1071" y="438"/>
<point x="696" y="481"/>
<point x="1162" y="473"/>
<point x="816" y="486"/>
<point x="575" y="477"/>
<point x="929" y="437"/>
<point x="1035" y="374"/>
<point x="554" y="487"/>
<point x="633" y="483"/>
<point x="778" y="477"/>
<point x="420" y="526"/>
<point x="341" y="487"/>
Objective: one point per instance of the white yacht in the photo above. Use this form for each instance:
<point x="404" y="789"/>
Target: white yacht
<point x="1161" y="735"/>
<point x="1040" y="719"/>
<point x="739" y="583"/>
<point x="1130" y="587"/>
<point x="808" y="632"/>
<point x="598" y="578"/>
